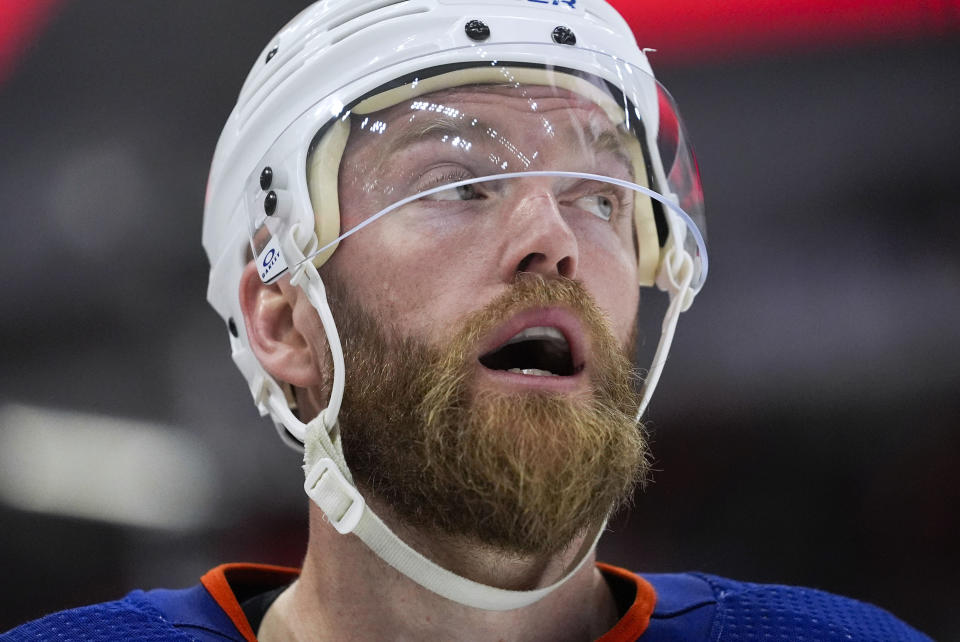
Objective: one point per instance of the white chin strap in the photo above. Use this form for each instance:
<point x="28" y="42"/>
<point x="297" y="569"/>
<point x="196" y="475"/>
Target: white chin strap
<point x="675" y="277"/>
<point x="329" y="482"/>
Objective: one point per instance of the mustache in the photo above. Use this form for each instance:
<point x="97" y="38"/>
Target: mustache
<point x="529" y="290"/>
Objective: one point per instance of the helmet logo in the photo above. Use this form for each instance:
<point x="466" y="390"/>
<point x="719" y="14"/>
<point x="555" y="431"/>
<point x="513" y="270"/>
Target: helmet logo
<point x="269" y="259"/>
<point x="271" y="262"/>
<point x="570" y="3"/>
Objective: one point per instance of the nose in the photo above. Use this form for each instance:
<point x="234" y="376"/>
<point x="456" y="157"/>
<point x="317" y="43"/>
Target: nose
<point x="536" y="237"/>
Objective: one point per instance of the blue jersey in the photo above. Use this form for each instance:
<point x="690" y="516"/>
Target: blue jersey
<point x="655" y="608"/>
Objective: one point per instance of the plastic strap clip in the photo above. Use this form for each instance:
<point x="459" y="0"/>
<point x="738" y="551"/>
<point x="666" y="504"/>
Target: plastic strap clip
<point x="339" y="500"/>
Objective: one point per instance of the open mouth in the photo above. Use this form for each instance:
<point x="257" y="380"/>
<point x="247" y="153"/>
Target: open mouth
<point x="541" y="351"/>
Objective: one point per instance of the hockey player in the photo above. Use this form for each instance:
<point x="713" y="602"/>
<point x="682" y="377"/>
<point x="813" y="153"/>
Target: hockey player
<point x="429" y="223"/>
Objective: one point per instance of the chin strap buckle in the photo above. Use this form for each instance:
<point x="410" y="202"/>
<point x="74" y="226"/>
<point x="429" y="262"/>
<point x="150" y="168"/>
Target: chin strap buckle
<point x="339" y="500"/>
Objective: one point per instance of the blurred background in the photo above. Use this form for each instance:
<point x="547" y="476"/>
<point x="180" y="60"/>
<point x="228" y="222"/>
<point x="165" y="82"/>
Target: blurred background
<point x="806" y="427"/>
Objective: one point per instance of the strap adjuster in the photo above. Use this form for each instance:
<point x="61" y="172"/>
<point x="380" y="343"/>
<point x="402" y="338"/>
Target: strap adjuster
<point x="339" y="500"/>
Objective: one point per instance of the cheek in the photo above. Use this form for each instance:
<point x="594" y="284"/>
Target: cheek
<point x="628" y="312"/>
<point x="612" y="280"/>
<point x="619" y="301"/>
<point x="418" y="284"/>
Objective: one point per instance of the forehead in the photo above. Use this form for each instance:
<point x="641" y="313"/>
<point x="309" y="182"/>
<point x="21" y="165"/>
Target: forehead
<point x="536" y="98"/>
<point x="515" y="97"/>
<point x="528" y="122"/>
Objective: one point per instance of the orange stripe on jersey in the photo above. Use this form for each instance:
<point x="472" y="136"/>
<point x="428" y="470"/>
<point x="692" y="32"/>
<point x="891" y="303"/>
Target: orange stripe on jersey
<point x="221" y="582"/>
<point x="635" y="621"/>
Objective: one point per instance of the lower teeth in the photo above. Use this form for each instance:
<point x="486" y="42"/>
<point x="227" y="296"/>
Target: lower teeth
<point x="532" y="371"/>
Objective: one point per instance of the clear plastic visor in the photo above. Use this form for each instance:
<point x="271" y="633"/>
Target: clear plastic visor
<point x="479" y="155"/>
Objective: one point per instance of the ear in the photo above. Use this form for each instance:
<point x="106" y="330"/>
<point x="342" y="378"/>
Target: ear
<point x="274" y="336"/>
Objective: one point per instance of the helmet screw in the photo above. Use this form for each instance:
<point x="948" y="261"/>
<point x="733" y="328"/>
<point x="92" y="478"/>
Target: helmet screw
<point x="564" y="36"/>
<point x="266" y="178"/>
<point x="270" y="203"/>
<point x="477" y="30"/>
<point x="233" y="327"/>
<point x="271" y="54"/>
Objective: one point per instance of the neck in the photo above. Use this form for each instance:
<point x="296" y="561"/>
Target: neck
<point x="347" y="592"/>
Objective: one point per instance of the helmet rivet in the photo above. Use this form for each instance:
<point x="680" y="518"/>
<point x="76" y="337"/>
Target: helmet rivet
<point x="233" y="327"/>
<point x="270" y="203"/>
<point x="266" y="178"/>
<point x="477" y="30"/>
<point x="271" y="54"/>
<point x="564" y="36"/>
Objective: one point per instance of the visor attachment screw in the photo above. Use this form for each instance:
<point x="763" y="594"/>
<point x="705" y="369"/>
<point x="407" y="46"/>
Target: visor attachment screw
<point x="233" y="327"/>
<point x="271" y="54"/>
<point x="266" y="178"/>
<point x="564" y="36"/>
<point x="477" y="30"/>
<point x="270" y="203"/>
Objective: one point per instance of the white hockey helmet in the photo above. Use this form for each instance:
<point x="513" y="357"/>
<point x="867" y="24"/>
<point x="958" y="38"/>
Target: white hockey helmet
<point x="328" y="75"/>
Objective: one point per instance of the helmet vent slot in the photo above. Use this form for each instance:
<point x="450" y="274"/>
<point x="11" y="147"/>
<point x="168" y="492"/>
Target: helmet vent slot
<point x="356" y="25"/>
<point x="363" y="10"/>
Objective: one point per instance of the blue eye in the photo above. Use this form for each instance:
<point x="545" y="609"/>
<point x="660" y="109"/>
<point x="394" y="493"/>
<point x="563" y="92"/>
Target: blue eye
<point x="597" y="204"/>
